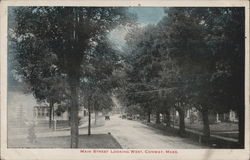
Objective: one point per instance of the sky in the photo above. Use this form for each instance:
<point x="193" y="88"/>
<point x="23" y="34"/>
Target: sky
<point x="145" y="15"/>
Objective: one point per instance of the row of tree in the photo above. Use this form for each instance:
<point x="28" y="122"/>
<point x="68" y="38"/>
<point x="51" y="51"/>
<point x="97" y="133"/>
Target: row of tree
<point x="194" y="57"/>
<point x="63" y="54"/>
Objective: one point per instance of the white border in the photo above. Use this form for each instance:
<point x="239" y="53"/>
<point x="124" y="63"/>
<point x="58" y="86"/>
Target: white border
<point x="66" y="154"/>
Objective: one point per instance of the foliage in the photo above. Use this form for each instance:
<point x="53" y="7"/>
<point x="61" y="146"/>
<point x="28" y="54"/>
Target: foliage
<point x="67" y="33"/>
<point x="192" y="57"/>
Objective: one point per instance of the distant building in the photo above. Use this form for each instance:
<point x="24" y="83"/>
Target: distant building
<point x="20" y="107"/>
<point x="195" y="116"/>
<point x="24" y="107"/>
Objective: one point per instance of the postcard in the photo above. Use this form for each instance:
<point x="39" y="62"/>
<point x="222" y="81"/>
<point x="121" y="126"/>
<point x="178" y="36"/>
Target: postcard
<point x="124" y="79"/>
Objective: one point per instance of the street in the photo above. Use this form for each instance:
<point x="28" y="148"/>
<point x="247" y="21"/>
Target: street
<point x="135" y="135"/>
<point x="129" y="134"/>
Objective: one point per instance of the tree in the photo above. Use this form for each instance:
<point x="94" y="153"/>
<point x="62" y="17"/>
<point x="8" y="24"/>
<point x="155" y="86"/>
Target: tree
<point x="103" y="103"/>
<point x="173" y="84"/>
<point x="209" y="67"/>
<point x="184" y="31"/>
<point x="68" y="32"/>
<point x="228" y="79"/>
<point x="194" y="63"/>
<point x="143" y="59"/>
<point x="37" y="71"/>
<point x="226" y="65"/>
<point x="133" y="109"/>
<point x="97" y="73"/>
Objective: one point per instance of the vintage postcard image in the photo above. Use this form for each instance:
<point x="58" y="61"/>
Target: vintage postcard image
<point x="124" y="81"/>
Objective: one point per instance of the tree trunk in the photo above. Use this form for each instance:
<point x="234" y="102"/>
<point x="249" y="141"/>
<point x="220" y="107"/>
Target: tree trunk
<point x="241" y="123"/>
<point x="206" y="128"/>
<point x="68" y="110"/>
<point x="181" y="121"/>
<point x="53" y="111"/>
<point x="74" y="112"/>
<point x="157" y="121"/>
<point x="149" y="117"/>
<point x="174" y="114"/>
<point x="168" y="118"/>
<point x="96" y="114"/>
<point x="50" y="114"/>
<point x="74" y="60"/>
<point x="89" y="126"/>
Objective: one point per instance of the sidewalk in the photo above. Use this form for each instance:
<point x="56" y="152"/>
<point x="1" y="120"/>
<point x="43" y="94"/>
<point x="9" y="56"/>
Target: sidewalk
<point x="84" y="141"/>
<point x="61" y="131"/>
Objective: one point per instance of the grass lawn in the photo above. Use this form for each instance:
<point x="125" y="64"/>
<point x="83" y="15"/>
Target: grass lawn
<point x="229" y="135"/>
<point x="189" y="136"/>
<point x="224" y="129"/>
<point x="85" y="141"/>
<point x="218" y="129"/>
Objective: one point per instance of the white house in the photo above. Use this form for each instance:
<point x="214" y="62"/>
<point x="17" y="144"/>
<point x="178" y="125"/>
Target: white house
<point x="24" y="107"/>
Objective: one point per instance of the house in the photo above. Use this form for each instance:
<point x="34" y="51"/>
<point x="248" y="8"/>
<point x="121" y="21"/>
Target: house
<point x="20" y="107"/>
<point x="193" y="115"/>
<point x="23" y="107"/>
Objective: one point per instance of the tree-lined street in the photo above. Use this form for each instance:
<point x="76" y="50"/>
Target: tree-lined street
<point x="129" y="134"/>
<point x="187" y="69"/>
<point x="135" y="135"/>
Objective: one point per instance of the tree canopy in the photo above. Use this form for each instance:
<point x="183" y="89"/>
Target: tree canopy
<point x="65" y="35"/>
